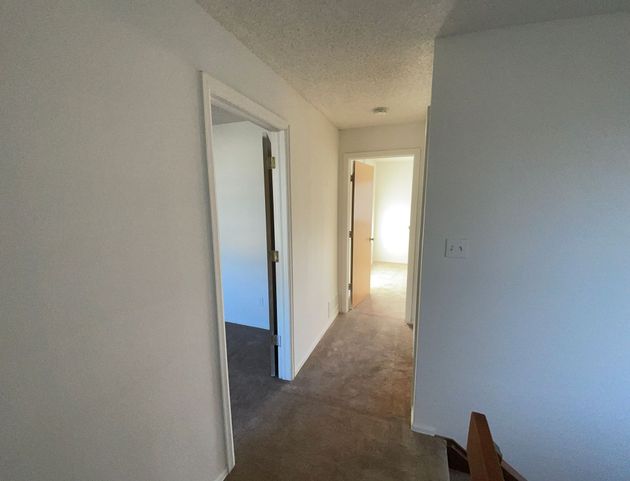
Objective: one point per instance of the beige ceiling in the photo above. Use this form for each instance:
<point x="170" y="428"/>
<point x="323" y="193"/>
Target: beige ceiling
<point x="349" y="56"/>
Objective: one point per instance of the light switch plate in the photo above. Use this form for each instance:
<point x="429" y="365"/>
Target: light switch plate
<point x="457" y="248"/>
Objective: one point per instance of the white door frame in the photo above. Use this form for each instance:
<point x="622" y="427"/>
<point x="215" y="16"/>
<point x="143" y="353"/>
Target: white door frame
<point x="416" y="327"/>
<point x="411" y="300"/>
<point x="225" y="97"/>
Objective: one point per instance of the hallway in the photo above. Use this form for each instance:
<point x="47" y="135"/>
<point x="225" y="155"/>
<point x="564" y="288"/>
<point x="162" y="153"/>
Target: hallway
<point x="346" y="415"/>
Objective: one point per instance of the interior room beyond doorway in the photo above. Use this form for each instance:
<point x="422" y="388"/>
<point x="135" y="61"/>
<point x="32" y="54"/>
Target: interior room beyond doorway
<point x="381" y="225"/>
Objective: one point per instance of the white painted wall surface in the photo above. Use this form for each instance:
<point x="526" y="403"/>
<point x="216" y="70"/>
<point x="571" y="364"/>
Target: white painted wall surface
<point x="382" y="137"/>
<point x="392" y="210"/>
<point x="239" y="174"/>
<point x="108" y="344"/>
<point x="530" y="160"/>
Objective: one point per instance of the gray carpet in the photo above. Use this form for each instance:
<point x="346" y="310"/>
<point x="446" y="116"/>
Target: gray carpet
<point x="345" y="416"/>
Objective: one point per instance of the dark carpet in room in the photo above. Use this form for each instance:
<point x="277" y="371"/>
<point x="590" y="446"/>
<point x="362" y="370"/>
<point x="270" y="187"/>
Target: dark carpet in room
<point x="344" y="417"/>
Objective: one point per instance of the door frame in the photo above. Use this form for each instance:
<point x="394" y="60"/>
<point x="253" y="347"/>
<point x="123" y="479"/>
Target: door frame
<point x="420" y="243"/>
<point x="411" y="299"/>
<point x="216" y="93"/>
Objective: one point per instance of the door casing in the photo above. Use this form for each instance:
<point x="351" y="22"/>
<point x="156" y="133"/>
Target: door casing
<point x="217" y="93"/>
<point x="345" y="253"/>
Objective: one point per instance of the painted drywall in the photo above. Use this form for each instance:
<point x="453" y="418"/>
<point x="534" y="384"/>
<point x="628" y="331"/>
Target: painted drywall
<point x="237" y="149"/>
<point x="108" y="339"/>
<point x="392" y="210"/>
<point x="382" y="137"/>
<point x="368" y="139"/>
<point x="529" y="160"/>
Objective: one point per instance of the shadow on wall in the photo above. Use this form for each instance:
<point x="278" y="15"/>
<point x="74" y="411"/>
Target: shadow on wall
<point x="539" y="323"/>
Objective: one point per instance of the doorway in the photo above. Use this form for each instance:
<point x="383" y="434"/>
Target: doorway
<point x="383" y="239"/>
<point x="242" y="157"/>
<point x="381" y="217"/>
<point x="248" y="187"/>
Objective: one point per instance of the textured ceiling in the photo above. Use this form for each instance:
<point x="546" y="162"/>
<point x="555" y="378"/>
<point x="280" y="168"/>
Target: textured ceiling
<point x="349" y="56"/>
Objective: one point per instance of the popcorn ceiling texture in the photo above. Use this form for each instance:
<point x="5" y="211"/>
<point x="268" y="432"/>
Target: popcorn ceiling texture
<point x="349" y="56"/>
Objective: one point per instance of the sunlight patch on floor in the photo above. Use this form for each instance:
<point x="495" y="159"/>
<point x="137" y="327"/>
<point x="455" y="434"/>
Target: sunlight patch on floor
<point x="388" y="284"/>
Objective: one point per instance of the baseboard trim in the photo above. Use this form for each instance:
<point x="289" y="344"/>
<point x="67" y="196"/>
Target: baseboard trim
<point x="424" y="429"/>
<point x="222" y="475"/>
<point x="263" y="328"/>
<point x="314" y="345"/>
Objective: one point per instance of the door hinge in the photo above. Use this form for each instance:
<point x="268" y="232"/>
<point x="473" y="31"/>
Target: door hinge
<point x="350" y="234"/>
<point x="275" y="255"/>
<point x="350" y="286"/>
<point x="275" y="340"/>
<point x="271" y="163"/>
<point x="351" y="177"/>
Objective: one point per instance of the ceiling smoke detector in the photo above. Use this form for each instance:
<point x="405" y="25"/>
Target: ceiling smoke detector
<point x="379" y="110"/>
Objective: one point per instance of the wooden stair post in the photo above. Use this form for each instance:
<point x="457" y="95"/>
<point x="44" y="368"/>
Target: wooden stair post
<point x="485" y="452"/>
<point x="483" y="459"/>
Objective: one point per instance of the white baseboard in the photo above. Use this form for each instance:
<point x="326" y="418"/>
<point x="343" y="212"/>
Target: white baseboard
<point x="316" y="342"/>
<point x="222" y="475"/>
<point x="424" y="429"/>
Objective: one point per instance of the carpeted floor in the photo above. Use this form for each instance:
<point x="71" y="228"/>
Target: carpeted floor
<point x="388" y="284"/>
<point x="344" y="417"/>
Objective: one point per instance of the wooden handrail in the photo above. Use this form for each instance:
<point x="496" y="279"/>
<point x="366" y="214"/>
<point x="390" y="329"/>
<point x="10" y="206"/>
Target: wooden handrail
<point x="458" y="458"/>
<point x="483" y="459"/>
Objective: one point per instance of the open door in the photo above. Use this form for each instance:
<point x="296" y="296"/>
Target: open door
<point x="272" y="253"/>
<point x="361" y="234"/>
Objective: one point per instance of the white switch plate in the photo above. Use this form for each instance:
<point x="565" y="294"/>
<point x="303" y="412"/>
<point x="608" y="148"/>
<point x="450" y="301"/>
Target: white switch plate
<point x="457" y="248"/>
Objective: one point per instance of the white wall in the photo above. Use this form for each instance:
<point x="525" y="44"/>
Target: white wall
<point x="529" y="160"/>
<point x="368" y="139"/>
<point x="108" y="343"/>
<point x="392" y="210"/>
<point x="383" y="137"/>
<point x="238" y="157"/>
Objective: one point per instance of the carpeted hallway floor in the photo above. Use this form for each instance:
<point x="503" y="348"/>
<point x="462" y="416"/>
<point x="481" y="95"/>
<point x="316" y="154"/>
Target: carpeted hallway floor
<point x="344" y="417"/>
